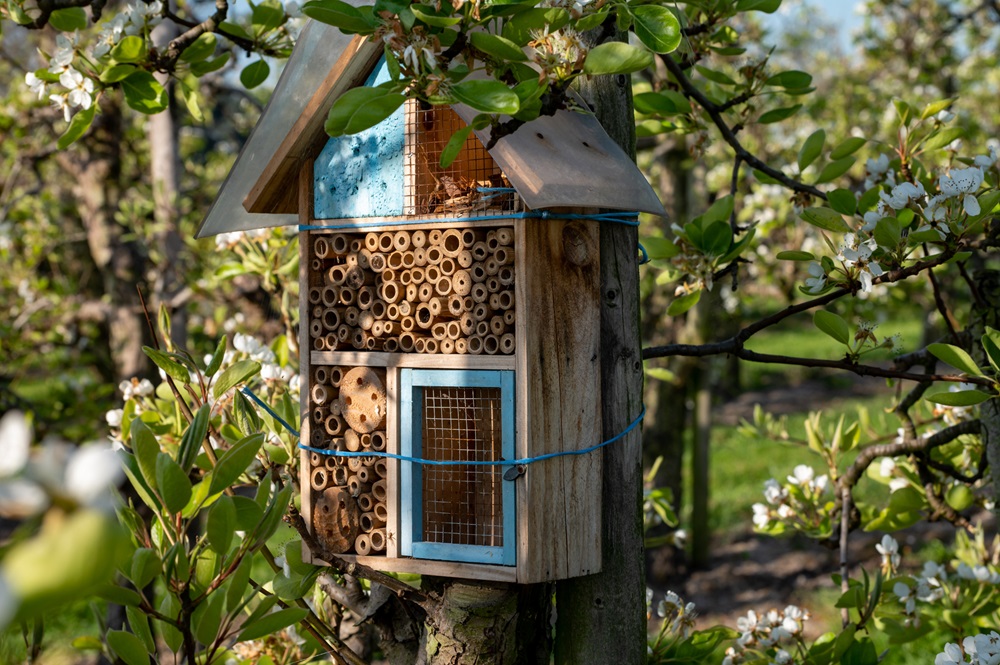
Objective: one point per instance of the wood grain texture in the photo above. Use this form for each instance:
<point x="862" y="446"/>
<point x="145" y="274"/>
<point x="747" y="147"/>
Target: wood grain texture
<point x="452" y="569"/>
<point x="305" y="373"/>
<point x="391" y="465"/>
<point x="558" y="392"/>
<point x="424" y="360"/>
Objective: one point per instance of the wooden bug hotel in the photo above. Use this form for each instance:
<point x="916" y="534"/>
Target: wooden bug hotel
<point x="445" y="317"/>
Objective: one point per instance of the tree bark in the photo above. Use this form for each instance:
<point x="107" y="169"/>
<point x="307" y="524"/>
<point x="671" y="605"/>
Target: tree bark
<point x="988" y="314"/>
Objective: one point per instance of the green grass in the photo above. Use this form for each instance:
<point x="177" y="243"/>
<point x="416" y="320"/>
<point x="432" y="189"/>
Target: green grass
<point x="61" y="628"/>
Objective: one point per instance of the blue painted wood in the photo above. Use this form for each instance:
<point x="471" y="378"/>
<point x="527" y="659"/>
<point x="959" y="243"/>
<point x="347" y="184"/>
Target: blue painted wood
<point x="362" y="175"/>
<point x="412" y="382"/>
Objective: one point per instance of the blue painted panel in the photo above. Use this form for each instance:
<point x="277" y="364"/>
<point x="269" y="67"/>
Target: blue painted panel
<point x="412" y="382"/>
<point x="362" y="175"/>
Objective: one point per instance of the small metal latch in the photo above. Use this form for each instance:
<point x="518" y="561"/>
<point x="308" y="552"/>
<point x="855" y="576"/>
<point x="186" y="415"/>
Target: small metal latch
<point x="515" y="472"/>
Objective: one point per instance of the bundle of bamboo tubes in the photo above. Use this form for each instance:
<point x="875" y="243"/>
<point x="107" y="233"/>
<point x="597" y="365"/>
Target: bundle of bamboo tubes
<point x="425" y="291"/>
<point x="348" y="409"/>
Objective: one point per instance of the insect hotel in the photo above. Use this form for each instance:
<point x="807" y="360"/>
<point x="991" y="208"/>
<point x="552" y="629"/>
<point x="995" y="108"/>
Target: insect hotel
<point x="449" y="322"/>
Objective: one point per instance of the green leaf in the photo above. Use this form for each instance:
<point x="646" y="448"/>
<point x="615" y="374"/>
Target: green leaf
<point x="887" y="233"/>
<point x="991" y="344"/>
<point x="956" y="357"/>
<point x="248" y="513"/>
<point x="191" y="97"/>
<point x="825" y="219"/>
<point x="654" y="103"/>
<point x="716" y="239"/>
<point x="935" y="107"/>
<point x="943" y="138"/>
<point x="835" y="169"/>
<point x="684" y="303"/>
<point x="246" y="415"/>
<point x="661" y="374"/>
<point x="116" y="73"/>
<point x="616" y="58"/>
<point x="660" y="248"/>
<point x="170" y="607"/>
<point x="87" y="643"/>
<point x="766" y="6"/>
<point x="361" y="108"/>
<point x="143" y="93"/>
<point x="487" y="96"/>
<point x="239" y="583"/>
<point x="777" y="115"/>
<point x="843" y="201"/>
<point x="128" y="647"/>
<point x="209" y="66"/>
<point x="164" y="361"/>
<point x="207" y="618"/>
<point x="145" y="567"/>
<point x="339" y="14"/>
<point x="497" y="46"/>
<point x="129" y="49"/>
<point x="220" y="526"/>
<point x="200" y="49"/>
<point x="272" y="623"/>
<point x="960" y="497"/>
<point x="833" y="325"/>
<point x="234" y="462"/>
<point x="959" y="398"/>
<point x="790" y="79"/>
<point x="795" y="255"/>
<point x="437" y="19"/>
<point x="139" y="624"/>
<point x="657" y="28"/>
<point x="216" y="362"/>
<point x="193" y="437"/>
<point x="254" y="74"/>
<point x="454" y="146"/>
<point x="714" y="75"/>
<point x="146" y="449"/>
<point x="70" y="19"/>
<point x="719" y="211"/>
<point x="266" y="17"/>
<point x="519" y="28"/>
<point x="78" y="126"/>
<point x="811" y="148"/>
<point x="591" y="21"/>
<point x="847" y="147"/>
<point x="174" y="485"/>
<point x="234" y="375"/>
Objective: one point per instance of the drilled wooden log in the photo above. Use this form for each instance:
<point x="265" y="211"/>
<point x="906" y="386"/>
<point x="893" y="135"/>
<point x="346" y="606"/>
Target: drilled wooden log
<point x="363" y="400"/>
<point x="336" y="520"/>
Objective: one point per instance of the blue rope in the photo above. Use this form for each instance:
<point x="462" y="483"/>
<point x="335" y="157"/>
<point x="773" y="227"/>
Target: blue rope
<point x="627" y="218"/>
<point x="645" y="255"/>
<point x="430" y="462"/>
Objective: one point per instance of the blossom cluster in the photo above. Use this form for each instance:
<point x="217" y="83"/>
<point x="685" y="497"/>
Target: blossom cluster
<point x="979" y="649"/>
<point x="801" y="502"/>
<point x="775" y="634"/>
<point x="935" y="583"/>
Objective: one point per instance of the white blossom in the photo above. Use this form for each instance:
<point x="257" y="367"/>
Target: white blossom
<point x="64" y="54"/>
<point x="990" y="160"/>
<point x="952" y="655"/>
<point x="114" y="417"/>
<point x="816" y="281"/>
<point x="136" y="388"/>
<point x="802" y="475"/>
<point x="902" y="194"/>
<point x="35" y="84"/>
<point x="889" y="549"/>
<point x="761" y="515"/>
<point x="91" y="474"/>
<point x="15" y="442"/>
<point x="774" y="493"/>
<point x="79" y="86"/>
<point x="886" y="467"/>
<point x="963" y="183"/>
<point x="61" y="103"/>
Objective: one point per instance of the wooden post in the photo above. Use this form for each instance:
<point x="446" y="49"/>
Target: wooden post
<point x="602" y="618"/>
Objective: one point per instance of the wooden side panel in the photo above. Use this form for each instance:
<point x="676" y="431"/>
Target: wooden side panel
<point x="559" y="397"/>
<point x="392" y="465"/>
<point x="305" y="373"/>
<point x="471" y="571"/>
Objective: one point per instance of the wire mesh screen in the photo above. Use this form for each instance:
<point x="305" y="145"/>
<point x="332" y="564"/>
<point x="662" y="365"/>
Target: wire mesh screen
<point x="459" y="188"/>
<point x="462" y="505"/>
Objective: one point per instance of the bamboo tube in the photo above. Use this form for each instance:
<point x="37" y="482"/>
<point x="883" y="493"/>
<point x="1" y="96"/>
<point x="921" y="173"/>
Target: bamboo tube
<point x="371" y="343"/>
<point x="494" y="301"/>
<point x="509" y="317"/>
<point x="479" y="292"/>
<point x="405" y="277"/>
<point x="407" y="324"/>
<point x="417" y="275"/>
<point x="331" y="463"/>
<point x="507" y="344"/>
<point x="315" y="295"/>
<point x="377" y="262"/>
<point x="366" y="441"/>
<point x="468" y="303"/>
<point x="331" y="341"/>
<point x="434" y="237"/>
<point x="420" y="257"/>
<point x="446" y="346"/>
<point x="418" y="239"/>
<point x="377" y="327"/>
<point x="448" y="266"/>
<point x="336" y="275"/>
<point x="439" y="306"/>
<point x="483" y="328"/>
<point x="334" y="425"/>
<point x="381" y="467"/>
<point x="505" y="236"/>
<point x="336" y="376"/>
<point x="431" y="345"/>
<point x="455" y="305"/>
<point x="321" y="374"/>
<point x="479" y="252"/>
<point x="340" y="243"/>
<point x="347" y="296"/>
<point x="356" y="277"/>
<point x="390" y="344"/>
<point x="363" y="545"/>
<point x="352" y="441"/>
<point x="364" y="259"/>
<point x="392" y="312"/>
<point x="351" y="260"/>
<point x="406" y="309"/>
<point x="424" y="292"/>
<point x="316" y="328"/>
<point x="491" y="344"/>
<point x="491" y="240"/>
<point x="390" y="327"/>
<point x="478" y="272"/>
<point x="493" y="285"/>
<point x="443" y="286"/>
<point x="385" y="242"/>
<point x="439" y="331"/>
<point x="319" y="479"/>
<point x="464" y="258"/>
<point x="412" y="291"/>
<point x="340" y="476"/>
<point x="371" y="242"/>
<point x="454" y="330"/>
<point x="506" y="300"/>
<point x="401" y="240"/>
<point x="432" y="274"/>
<point x="408" y="259"/>
<point x="461" y="282"/>
<point x="406" y="340"/>
<point x="378" y="440"/>
<point x="351" y="315"/>
<point x="475" y="345"/>
<point x="316" y="437"/>
<point x="365" y="474"/>
<point x="362" y="393"/>
<point x="497" y="326"/>
<point x="378" y="491"/>
<point x="451" y="243"/>
<point x="394" y="260"/>
<point x="423" y="316"/>
<point x="420" y="344"/>
<point x="467" y="323"/>
<point x="329" y="296"/>
<point x="491" y="265"/>
<point x="434" y="255"/>
<point x="367" y="521"/>
<point x="366" y="320"/>
<point x="315" y="459"/>
<point x="504" y="256"/>
<point x="461" y="346"/>
<point x="381" y="512"/>
<point x="377" y="540"/>
<point x="388" y="274"/>
<point x="468" y="238"/>
<point x="319" y="394"/>
<point x="355" y="486"/>
<point x="366" y="297"/>
<point x="357" y="244"/>
<point x="331" y="319"/>
<point x="391" y="292"/>
<point x="317" y="312"/>
<point x="353" y="464"/>
<point x="321" y="248"/>
<point x="316" y="265"/>
<point x="378" y="308"/>
<point x="319" y="344"/>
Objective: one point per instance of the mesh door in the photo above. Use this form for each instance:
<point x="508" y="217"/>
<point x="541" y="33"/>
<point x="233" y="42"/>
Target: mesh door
<point x="462" y="505"/>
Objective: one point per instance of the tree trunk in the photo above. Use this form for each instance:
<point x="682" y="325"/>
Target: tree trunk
<point x="602" y="617"/>
<point x="988" y="314"/>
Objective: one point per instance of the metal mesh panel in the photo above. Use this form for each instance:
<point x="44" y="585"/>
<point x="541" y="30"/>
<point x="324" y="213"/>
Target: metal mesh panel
<point x="455" y="190"/>
<point x="462" y="505"/>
